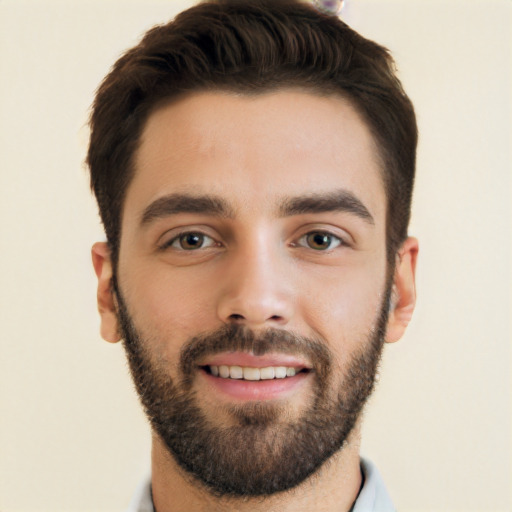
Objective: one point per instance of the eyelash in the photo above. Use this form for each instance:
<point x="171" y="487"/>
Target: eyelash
<point x="339" y="242"/>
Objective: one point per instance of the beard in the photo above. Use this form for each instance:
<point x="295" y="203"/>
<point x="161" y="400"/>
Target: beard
<point x="264" y="450"/>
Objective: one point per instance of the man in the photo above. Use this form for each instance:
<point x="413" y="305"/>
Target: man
<point x="253" y="163"/>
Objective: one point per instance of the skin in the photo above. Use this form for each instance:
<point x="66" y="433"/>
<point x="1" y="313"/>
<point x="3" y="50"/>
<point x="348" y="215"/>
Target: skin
<point x="257" y="267"/>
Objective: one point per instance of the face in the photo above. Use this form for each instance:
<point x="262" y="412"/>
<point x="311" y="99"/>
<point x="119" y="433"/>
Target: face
<point x="252" y="284"/>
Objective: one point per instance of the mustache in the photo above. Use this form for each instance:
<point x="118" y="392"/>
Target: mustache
<point x="238" y="338"/>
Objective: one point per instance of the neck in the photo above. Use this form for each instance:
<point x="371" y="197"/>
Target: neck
<point x="334" y="487"/>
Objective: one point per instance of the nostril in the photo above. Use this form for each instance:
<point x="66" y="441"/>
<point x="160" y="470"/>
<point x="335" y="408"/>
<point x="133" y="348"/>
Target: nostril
<point x="236" y="317"/>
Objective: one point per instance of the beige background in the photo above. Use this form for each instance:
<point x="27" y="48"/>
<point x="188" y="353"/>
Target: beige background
<point x="439" y="426"/>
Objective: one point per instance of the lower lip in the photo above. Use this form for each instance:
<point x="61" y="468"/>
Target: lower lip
<point x="246" y="390"/>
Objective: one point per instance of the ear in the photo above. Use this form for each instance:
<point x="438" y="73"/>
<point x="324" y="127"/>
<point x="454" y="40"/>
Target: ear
<point x="403" y="295"/>
<point x="106" y="301"/>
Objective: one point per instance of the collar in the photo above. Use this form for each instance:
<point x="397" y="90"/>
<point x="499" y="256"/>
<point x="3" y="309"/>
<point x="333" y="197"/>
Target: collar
<point x="372" y="498"/>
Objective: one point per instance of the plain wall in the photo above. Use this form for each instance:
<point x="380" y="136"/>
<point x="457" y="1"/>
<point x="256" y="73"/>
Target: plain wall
<point x="72" y="435"/>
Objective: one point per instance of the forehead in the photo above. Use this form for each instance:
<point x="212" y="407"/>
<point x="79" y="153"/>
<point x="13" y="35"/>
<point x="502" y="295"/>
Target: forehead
<point x="255" y="150"/>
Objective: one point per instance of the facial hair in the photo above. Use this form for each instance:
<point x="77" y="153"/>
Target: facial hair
<point x="264" y="451"/>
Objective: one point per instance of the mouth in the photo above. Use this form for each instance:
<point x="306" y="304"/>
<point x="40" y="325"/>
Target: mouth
<point x="246" y="377"/>
<point x="253" y="374"/>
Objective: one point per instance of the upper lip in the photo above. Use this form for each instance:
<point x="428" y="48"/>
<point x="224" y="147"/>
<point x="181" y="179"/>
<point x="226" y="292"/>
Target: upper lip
<point x="250" y="360"/>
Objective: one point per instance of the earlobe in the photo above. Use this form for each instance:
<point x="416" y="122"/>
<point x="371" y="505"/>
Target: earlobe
<point x="403" y="295"/>
<point x="105" y="296"/>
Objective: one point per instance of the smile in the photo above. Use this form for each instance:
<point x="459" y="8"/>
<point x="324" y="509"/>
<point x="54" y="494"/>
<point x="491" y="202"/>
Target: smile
<point x="251" y="373"/>
<point x="244" y="376"/>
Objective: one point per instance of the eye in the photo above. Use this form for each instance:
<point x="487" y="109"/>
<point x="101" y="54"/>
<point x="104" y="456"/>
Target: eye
<point x="190" y="241"/>
<point x="320" y="241"/>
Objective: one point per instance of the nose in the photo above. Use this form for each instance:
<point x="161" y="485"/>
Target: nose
<point x="255" y="289"/>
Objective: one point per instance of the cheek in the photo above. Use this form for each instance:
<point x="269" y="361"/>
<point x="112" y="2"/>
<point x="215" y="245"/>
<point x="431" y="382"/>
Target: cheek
<point x="168" y="308"/>
<point x="345" y="308"/>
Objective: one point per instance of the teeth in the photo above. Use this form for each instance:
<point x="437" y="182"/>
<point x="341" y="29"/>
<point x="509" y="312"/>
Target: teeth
<point x="252" y="373"/>
<point x="290" y="372"/>
<point x="236" y="372"/>
<point x="280" y="372"/>
<point x="267" y="373"/>
<point x="249" y="373"/>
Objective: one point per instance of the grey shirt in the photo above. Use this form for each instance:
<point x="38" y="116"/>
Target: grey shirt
<point x="372" y="498"/>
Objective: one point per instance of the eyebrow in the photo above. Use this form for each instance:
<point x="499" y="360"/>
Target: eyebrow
<point x="337" y="201"/>
<point x="173" y="204"/>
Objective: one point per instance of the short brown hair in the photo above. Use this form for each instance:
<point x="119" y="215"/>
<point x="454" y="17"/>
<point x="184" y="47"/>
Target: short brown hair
<point x="250" y="46"/>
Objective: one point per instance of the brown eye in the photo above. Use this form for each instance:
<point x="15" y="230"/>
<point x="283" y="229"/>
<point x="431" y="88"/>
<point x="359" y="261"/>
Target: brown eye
<point x="190" y="241"/>
<point x="320" y="241"/>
